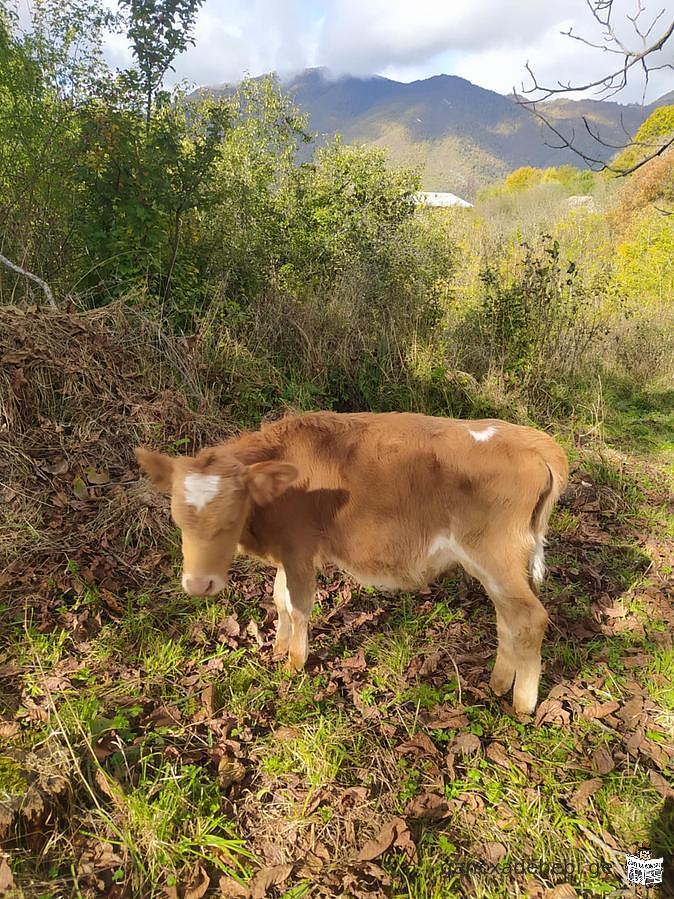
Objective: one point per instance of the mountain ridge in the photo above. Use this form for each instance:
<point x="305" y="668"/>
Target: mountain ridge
<point x="461" y="135"/>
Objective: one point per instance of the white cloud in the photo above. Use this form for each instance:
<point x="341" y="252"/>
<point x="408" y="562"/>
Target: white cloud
<point x="486" y="41"/>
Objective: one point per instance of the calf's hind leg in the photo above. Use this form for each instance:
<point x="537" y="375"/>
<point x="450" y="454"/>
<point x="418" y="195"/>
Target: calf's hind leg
<point x="521" y="621"/>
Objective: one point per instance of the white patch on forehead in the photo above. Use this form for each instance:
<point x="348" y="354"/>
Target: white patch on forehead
<point x="200" y="489"/>
<point x="483" y="436"/>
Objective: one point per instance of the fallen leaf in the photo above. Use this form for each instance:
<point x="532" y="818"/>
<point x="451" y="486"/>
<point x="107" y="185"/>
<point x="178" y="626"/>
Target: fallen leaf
<point x="420" y="746"/>
<point x="6" y="876"/>
<point x="446" y="717"/>
<point x="230" y="771"/>
<point x="582" y="795"/>
<point x="655" y="752"/>
<point x="395" y="833"/>
<point x="551" y="711"/>
<point x="273" y="875"/>
<point x="603" y="760"/>
<point x="164" y="716"/>
<point x="497" y="754"/>
<point x="229" y="627"/>
<point x="253" y="631"/>
<point x="197" y="885"/>
<point x="208" y="700"/>
<point x="108" y="787"/>
<point x="97" y="476"/>
<point x="232" y="889"/>
<point x="600" y="710"/>
<point x="663" y="786"/>
<point x="466" y="744"/>
<point x="631" y="711"/>
<point x="355" y="662"/>
<point x="80" y="489"/>
<point x="561" y="891"/>
<point x="58" y="466"/>
<point x="8" y="729"/>
<point x="427" y="807"/>
<point x="493" y="852"/>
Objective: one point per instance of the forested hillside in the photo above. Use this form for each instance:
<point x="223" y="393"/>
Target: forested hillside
<point x="459" y="135"/>
<point x="197" y="276"/>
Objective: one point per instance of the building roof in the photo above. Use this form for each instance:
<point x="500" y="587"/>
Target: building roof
<point x="440" y="198"/>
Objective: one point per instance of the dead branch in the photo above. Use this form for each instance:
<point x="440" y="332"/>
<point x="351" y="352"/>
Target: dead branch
<point x="639" y="58"/>
<point x="22" y="271"/>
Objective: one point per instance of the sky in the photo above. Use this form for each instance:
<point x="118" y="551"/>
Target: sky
<point x="486" y="41"/>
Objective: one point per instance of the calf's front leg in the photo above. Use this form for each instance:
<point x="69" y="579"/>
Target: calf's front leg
<point x="283" y="625"/>
<point x="300" y="590"/>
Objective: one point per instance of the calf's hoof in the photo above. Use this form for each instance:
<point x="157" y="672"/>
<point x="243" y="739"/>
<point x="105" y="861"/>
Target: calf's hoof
<point x="501" y="681"/>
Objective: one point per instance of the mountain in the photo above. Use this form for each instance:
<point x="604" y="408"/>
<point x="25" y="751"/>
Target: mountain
<point x="460" y="135"/>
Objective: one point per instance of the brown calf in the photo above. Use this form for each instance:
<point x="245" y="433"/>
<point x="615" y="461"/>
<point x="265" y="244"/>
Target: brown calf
<point x="395" y="499"/>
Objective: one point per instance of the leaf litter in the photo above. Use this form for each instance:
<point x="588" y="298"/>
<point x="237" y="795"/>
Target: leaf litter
<point x="73" y="478"/>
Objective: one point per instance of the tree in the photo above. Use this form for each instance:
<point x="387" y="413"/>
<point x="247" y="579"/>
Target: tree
<point x="158" y="31"/>
<point x="641" y="54"/>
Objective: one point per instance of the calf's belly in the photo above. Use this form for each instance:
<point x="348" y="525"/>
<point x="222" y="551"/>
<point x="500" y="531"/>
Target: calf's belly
<point x="406" y="573"/>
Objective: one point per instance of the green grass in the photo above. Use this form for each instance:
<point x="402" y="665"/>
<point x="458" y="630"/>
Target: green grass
<point x="183" y="751"/>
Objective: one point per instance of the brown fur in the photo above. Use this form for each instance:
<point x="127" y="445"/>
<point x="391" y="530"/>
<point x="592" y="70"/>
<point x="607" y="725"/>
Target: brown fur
<point x="392" y="498"/>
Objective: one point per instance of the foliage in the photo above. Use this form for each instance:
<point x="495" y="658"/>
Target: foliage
<point x="538" y="325"/>
<point x="158" y="31"/>
<point x="567" y="178"/>
<point x="654" y="132"/>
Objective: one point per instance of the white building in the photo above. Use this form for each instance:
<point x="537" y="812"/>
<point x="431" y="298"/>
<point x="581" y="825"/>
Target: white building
<point x="440" y="198"/>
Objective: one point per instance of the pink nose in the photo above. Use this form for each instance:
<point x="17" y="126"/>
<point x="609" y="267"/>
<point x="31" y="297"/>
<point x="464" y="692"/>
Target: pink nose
<point x="201" y="586"/>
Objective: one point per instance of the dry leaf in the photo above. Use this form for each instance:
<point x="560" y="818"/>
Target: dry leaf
<point x="6" y="876"/>
<point x="80" y="489"/>
<point x="395" y="833"/>
<point x="58" y="466"/>
<point x="551" y="711"/>
<point x="229" y="627"/>
<point x="493" y="852"/>
<point x="232" y="889"/>
<point x="561" y="891"/>
<point x="197" y="885"/>
<point x="97" y="476"/>
<point x="603" y="760"/>
<point x="273" y="875"/>
<point x="428" y="807"/>
<point x="466" y="744"/>
<point x="208" y="700"/>
<point x="600" y="710"/>
<point x="419" y="746"/>
<point x="497" y="754"/>
<point x="663" y="786"/>
<point x="631" y="711"/>
<point x="230" y="771"/>
<point x="444" y="718"/>
<point x="8" y="729"/>
<point x="164" y="716"/>
<point x="582" y="795"/>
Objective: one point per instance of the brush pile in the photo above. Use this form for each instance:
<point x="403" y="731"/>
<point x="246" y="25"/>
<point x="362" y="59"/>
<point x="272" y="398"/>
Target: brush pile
<point x="77" y="393"/>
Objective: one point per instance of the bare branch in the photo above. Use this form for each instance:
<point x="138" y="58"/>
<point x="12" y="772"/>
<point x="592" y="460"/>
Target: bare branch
<point x="22" y="271"/>
<point x="607" y="82"/>
<point x="639" y="58"/>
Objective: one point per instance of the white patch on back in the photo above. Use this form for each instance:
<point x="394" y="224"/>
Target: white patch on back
<point x="200" y="489"/>
<point x="483" y="436"/>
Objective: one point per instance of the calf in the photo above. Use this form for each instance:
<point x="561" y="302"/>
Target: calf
<point x="395" y="499"/>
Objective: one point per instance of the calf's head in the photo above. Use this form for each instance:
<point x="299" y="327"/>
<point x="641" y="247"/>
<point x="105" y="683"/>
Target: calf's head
<point x="212" y="495"/>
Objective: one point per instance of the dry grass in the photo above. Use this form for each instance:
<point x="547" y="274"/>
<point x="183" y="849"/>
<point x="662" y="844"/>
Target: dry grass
<point x="77" y="393"/>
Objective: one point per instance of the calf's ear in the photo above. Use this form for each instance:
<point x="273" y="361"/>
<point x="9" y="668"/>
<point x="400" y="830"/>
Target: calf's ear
<point x="267" y="480"/>
<point x="157" y="466"/>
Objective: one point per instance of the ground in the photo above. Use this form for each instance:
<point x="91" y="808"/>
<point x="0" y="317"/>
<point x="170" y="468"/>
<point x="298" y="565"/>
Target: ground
<point x="151" y="747"/>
